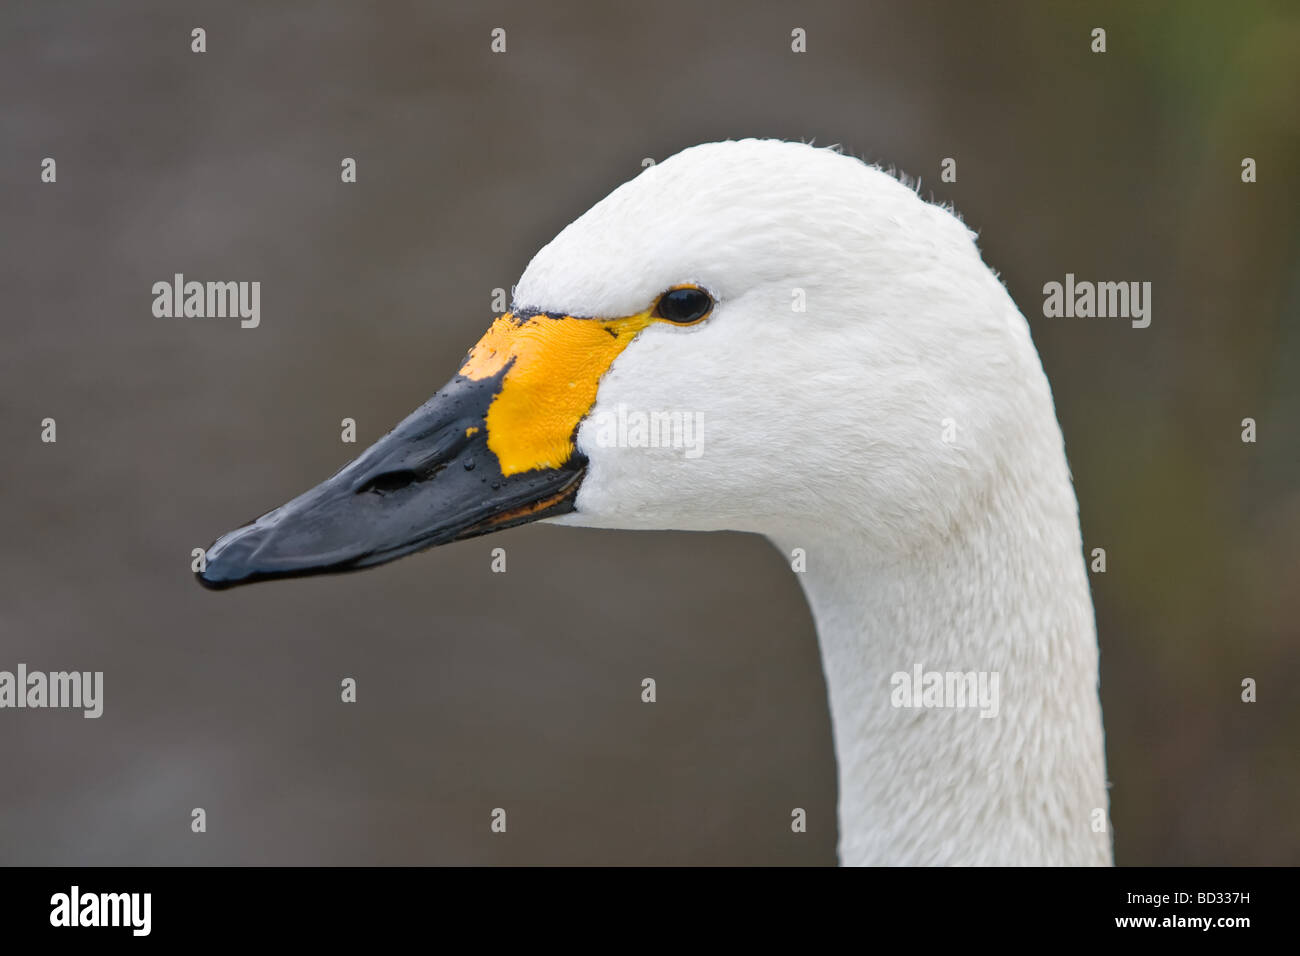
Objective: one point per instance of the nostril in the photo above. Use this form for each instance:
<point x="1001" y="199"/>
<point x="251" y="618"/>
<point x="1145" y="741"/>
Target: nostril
<point x="389" y="482"/>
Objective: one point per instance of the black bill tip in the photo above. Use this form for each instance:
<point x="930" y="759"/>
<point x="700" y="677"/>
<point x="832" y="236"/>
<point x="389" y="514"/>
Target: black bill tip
<point x="430" y="481"/>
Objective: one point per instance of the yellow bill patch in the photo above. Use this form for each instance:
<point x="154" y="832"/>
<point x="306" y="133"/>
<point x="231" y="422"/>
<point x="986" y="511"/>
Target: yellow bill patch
<point x="555" y="366"/>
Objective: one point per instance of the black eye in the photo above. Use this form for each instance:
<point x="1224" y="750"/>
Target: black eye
<point x="684" y="305"/>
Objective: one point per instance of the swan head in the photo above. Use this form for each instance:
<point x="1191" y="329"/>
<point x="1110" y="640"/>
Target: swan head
<point x="749" y="336"/>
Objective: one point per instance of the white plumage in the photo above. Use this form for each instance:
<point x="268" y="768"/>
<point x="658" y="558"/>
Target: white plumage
<point x="870" y="400"/>
<point x="901" y="432"/>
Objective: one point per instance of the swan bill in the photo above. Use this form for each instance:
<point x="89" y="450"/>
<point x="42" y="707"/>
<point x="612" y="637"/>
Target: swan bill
<point x="432" y="480"/>
<point x="493" y="449"/>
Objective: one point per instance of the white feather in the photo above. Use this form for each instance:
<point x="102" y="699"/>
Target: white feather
<point x="825" y="430"/>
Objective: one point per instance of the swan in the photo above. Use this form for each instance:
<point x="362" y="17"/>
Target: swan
<point x="871" y="402"/>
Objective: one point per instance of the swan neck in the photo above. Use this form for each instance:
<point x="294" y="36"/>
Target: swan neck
<point x="998" y="759"/>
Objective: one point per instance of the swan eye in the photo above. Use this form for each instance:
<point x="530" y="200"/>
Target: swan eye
<point x="684" y="305"/>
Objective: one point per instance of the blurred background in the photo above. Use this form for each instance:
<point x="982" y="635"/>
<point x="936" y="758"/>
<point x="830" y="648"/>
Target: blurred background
<point x="522" y="690"/>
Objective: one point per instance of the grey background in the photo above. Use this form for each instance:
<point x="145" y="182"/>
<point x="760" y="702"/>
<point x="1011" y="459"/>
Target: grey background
<point x="479" y="690"/>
